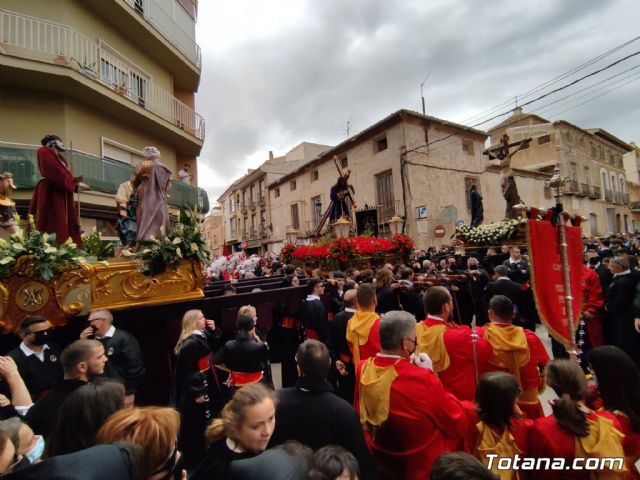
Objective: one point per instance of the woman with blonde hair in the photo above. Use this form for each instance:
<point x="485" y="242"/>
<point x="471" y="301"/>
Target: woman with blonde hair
<point x="195" y="390"/>
<point x="153" y="428"/>
<point x="242" y="431"/>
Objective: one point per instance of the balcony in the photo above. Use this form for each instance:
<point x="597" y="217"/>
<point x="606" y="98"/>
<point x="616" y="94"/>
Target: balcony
<point x="252" y="205"/>
<point x="608" y="195"/>
<point x="253" y="233"/>
<point x="585" y="189"/>
<point x="244" y="209"/>
<point x="595" y="192"/>
<point x="101" y="174"/>
<point x="635" y="206"/>
<point x="168" y="26"/>
<point x="30" y="38"/>
<point x="245" y="235"/>
<point x="570" y="187"/>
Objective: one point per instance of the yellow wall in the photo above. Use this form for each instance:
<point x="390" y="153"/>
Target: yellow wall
<point x="27" y="116"/>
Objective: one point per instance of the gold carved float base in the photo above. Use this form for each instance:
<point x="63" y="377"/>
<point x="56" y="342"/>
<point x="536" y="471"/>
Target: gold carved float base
<point x="116" y="285"/>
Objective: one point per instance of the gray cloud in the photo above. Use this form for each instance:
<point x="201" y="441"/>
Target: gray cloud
<point x="364" y="59"/>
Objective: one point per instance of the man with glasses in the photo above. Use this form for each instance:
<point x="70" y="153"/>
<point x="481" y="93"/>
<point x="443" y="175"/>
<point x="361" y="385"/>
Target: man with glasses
<point x="38" y="359"/>
<point x="408" y="417"/>
<point x="125" y="361"/>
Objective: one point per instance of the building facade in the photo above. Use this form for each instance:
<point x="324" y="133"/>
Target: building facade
<point x="246" y="203"/>
<point x="591" y="162"/>
<point x="109" y="78"/>
<point x="631" y="161"/>
<point x="213" y="229"/>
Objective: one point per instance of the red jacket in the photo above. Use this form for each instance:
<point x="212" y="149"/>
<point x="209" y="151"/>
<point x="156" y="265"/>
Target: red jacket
<point x="424" y="421"/>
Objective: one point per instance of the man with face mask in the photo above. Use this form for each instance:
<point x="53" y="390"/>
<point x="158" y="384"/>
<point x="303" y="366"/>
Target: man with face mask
<point x="37" y="359"/>
<point x="409" y="419"/>
<point x="52" y="202"/>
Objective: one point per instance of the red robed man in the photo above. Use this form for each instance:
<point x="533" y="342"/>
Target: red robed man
<point x="409" y="419"/>
<point x="518" y="351"/>
<point x="52" y="201"/>
<point x="592" y="302"/>
<point x="362" y="329"/>
<point x="450" y="346"/>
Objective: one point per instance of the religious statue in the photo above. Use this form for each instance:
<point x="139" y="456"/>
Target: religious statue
<point x="127" y="202"/>
<point x="52" y="202"/>
<point x="152" y="212"/>
<point x="477" y="210"/>
<point x="7" y="206"/>
<point x="339" y="196"/>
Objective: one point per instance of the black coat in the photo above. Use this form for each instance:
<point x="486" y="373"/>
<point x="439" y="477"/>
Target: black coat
<point x="125" y="360"/>
<point x="312" y="414"/>
<point x="619" y="316"/>
<point x="508" y="288"/>
<point x="411" y="302"/>
<point x="345" y="386"/>
<point x="518" y="271"/>
<point x="42" y="416"/>
<point x="387" y="300"/>
<point x="243" y="355"/>
<point x="39" y="376"/>
<point x="216" y="462"/>
<point x="314" y="316"/>
<point x="605" y="276"/>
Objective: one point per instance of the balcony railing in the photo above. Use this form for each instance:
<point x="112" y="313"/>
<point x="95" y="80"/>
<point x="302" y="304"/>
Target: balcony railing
<point x="101" y="174"/>
<point x="635" y="206"/>
<point x="571" y="187"/>
<point x="585" y="189"/>
<point x="608" y="195"/>
<point x="35" y="39"/>
<point x="595" y="192"/>
<point x="253" y="233"/>
<point x="252" y="205"/>
<point x="153" y="12"/>
<point x="261" y="202"/>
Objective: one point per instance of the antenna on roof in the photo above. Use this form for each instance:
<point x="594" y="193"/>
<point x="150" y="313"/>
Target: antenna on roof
<point x="422" y="94"/>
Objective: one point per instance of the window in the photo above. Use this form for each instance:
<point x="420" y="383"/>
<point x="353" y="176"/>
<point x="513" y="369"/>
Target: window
<point x="544" y="139"/>
<point x="587" y="175"/>
<point x="276" y="192"/>
<point x="121" y="153"/>
<point x="592" y="150"/>
<point x="316" y="205"/>
<point x="295" y="221"/>
<point x="467" y="147"/>
<point x="384" y="194"/>
<point x="381" y="144"/>
<point x="314" y="175"/>
<point x="344" y="163"/>
<point x="261" y="191"/>
<point x="292" y="185"/>
<point x="251" y="195"/>
<point x="232" y="204"/>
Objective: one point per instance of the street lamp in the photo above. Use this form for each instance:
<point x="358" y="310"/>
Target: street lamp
<point x="342" y="226"/>
<point x="395" y="225"/>
<point x="292" y="235"/>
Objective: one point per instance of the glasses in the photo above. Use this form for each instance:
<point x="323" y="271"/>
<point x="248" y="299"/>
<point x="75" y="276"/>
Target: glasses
<point x="414" y="341"/>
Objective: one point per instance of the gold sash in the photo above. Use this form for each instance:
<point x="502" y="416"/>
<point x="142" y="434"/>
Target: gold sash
<point x="510" y="348"/>
<point x="604" y="440"/>
<point x="358" y="329"/>
<point x="502" y="444"/>
<point x="431" y="341"/>
<point x="375" y="394"/>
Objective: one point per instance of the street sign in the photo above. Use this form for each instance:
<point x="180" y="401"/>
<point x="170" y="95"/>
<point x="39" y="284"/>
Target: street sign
<point x="439" y="231"/>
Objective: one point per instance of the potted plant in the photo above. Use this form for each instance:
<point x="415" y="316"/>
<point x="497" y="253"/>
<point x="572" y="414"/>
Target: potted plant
<point x="61" y="60"/>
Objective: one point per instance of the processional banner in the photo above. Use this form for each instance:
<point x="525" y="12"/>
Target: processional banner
<point x="547" y="278"/>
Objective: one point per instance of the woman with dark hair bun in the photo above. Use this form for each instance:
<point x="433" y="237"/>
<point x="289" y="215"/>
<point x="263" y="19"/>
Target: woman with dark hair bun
<point x="496" y="425"/>
<point x="573" y="430"/>
<point x="618" y="386"/>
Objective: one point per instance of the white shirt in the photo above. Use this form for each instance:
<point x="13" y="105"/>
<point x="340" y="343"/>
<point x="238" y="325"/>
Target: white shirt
<point x="436" y="317"/>
<point x="312" y="297"/>
<point x="626" y="272"/>
<point x="185" y="177"/>
<point x="28" y="352"/>
<point x="350" y="310"/>
<point x="502" y="278"/>
<point x="109" y="333"/>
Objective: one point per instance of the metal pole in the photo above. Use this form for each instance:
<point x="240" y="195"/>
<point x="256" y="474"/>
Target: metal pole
<point x="474" y="343"/>
<point x="556" y="182"/>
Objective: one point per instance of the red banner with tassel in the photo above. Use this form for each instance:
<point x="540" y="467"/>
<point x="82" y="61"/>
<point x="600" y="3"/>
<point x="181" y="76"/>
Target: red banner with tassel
<point x="547" y="278"/>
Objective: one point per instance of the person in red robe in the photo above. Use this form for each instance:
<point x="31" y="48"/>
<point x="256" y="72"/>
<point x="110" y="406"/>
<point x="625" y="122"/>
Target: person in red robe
<point x="362" y="328"/>
<point x="496" y="423"/>
<point x="451" y="346"/>
<point x="618" y="391"/>
<point x="52" y="202"/>
<point x="518" y="351"/>
<point x="573" y="431"/>
<point x="592" y="302"/>
<point x="408" y="418"/>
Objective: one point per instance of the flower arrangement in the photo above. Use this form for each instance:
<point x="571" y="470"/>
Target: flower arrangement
<point x="342" y="249"/>
<point x="186" y="241"/>
<point x="285" y="253"/>
<point x="48" y="257"/>
<point x="94" y="246"/>
<point x="489" y="234"/>
<point x="403" y="244"/>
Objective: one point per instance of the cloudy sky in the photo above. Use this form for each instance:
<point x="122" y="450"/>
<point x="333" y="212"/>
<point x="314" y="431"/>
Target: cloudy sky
<point x="279" y="72"/>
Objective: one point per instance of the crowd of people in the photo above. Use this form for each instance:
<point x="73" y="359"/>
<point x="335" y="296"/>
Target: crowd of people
<point x="427" y="369"/>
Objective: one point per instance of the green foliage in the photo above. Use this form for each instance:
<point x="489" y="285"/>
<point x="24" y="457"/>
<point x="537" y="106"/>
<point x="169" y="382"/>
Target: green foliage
<point x="94" y="246"/>
<point x="186" y="241"/>
<point x="326" y="239"/>
<point x="49" y="258"/>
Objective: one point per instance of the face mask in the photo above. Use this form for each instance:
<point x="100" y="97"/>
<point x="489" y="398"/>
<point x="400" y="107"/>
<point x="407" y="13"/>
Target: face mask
<point x="473" y="267"/>
<point x="40" y="338"/>
<point x="594" y="260"/>
<point x="36" y="452"/>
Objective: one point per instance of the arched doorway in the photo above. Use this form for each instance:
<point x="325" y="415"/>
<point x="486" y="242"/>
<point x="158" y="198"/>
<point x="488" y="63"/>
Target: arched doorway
<point x="593" y="223"/>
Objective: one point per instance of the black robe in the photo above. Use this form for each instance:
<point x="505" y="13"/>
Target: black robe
<point x="344" y="386"/>
<point x="215" y="464"/>
<point x="194" y="378"/>
<point x="314" y="317"/>
<point x="42" y="416"/>
<point x="618" y="325"/>
<point x="125" y="360"/>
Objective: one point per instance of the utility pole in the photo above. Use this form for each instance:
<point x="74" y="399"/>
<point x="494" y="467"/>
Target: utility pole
<point x="422" y="93"/>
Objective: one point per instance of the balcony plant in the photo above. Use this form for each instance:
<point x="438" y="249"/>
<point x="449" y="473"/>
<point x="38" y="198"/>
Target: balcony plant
<point x="61" y="59"/>
<point x="86" y="68"/>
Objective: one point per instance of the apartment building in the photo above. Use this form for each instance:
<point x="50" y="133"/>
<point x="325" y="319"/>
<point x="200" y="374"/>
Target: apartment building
<point x="213" y="230"/>
<point x="631" y="162"/>
<point x="591" y="162"/>
<point x="246" y="203"/>
<point x="109" y="77"/>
